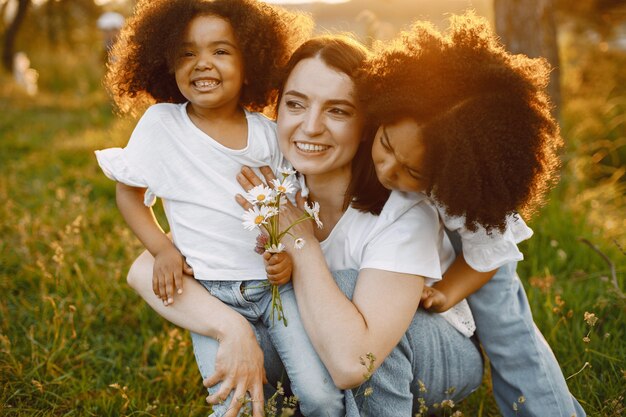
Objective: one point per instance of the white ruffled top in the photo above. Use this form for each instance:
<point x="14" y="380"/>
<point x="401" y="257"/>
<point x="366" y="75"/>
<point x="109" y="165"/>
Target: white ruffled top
<point x="485" y="251"/>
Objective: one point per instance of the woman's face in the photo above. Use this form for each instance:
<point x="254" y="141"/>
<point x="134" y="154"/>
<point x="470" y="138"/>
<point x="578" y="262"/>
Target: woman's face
<point x="319" y="123"/>
<point x="398" y="154"/>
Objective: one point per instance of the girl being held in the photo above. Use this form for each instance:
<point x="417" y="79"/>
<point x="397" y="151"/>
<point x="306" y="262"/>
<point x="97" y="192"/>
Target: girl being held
<point x="209" y="66"/>
<point x="469" y="124"/>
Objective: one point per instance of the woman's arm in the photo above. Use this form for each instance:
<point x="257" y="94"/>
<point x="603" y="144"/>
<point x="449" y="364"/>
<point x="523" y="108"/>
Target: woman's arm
<point x="459" y="282"/>
<point x="343" y="331"/>
<point x="239" y="361"/>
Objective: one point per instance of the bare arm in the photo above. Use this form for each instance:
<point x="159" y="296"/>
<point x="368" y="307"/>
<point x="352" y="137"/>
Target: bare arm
<point x="169" y="262"/>
<point x="459" y="282"/>
<point x="239" y="361"/>
<point x="341" y="330"/>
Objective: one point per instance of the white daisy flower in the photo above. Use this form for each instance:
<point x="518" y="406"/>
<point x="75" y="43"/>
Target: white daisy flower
<point x="283" y="187"/>
<point x="260" y="194"/>
<point x="314" y="212"/>
<point x="286" y="171"/>
<point x="299" y="243"/>
<point x="256" y="216"/>
<point x="276" y="248"/>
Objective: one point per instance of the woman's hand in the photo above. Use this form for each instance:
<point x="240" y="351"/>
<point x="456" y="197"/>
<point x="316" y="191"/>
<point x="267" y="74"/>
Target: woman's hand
<point x="289" y="213"/>
<point x="239" y="367"/>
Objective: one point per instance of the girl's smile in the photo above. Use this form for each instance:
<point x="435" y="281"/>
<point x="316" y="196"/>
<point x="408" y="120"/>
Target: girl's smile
<point x="209" y="68"/>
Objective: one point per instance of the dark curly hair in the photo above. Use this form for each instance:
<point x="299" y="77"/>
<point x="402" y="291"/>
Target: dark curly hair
<point x="141" y="68"/>
<point x="491" y="141"/>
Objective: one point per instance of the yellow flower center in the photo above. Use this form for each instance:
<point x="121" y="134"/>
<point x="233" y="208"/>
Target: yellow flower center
<point x="260" y="197"/>
<point x="259" y="219"/>
<point x="281" y="189"/>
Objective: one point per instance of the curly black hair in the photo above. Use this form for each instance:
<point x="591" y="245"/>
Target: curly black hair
<point x="491" y="141"/>
<point x="143" y="58"/>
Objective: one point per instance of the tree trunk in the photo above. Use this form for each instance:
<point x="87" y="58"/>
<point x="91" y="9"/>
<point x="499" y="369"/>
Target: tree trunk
<point x="528" y="27"/>
<point x="11" y="35"/>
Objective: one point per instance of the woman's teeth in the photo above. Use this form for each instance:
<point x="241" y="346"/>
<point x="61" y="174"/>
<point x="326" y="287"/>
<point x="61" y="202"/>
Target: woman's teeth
<point x="309" y="147"/>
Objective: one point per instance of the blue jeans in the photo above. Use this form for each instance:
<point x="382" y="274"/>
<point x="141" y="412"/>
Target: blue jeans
<point x="522" y="363"/>
<point x="310" y="381"/>
<point x="432" y="362"/>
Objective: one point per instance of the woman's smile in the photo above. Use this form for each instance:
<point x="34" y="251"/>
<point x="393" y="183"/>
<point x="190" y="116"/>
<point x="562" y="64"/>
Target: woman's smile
<point x="319" y="123"/>
<point x="308" y="147"/>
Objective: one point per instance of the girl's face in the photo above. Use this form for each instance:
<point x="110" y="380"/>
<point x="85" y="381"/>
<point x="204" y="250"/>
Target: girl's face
<point x="398" y="154"/>
<point x="319" y="123"/>
<point x="209" y="67"/>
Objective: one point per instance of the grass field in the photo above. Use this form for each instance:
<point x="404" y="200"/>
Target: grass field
<point x="76" y="341"/>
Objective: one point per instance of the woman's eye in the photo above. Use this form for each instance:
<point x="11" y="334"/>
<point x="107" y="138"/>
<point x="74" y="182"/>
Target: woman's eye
<point x="186" y="54"/>
<point x="292" y="104"/>
<point x="221" y="52"/>
<point x="339" y="111"/>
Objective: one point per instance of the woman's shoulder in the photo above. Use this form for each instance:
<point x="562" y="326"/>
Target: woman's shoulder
<point x="399" y="203"/>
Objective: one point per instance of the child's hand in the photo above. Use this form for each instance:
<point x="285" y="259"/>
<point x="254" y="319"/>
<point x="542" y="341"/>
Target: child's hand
<point x="167" y="274"/>
<point x="278" y="267"/>
<point x="434" y="300"/>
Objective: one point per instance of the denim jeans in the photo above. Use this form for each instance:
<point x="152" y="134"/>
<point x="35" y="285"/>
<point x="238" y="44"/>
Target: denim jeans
<point x="310" y="380"/>
<point x="432" y="362"/>
<point x="522" y="363"/>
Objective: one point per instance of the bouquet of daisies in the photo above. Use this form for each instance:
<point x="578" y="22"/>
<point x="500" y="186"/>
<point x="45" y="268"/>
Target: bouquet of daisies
<point x="265" y="215"/>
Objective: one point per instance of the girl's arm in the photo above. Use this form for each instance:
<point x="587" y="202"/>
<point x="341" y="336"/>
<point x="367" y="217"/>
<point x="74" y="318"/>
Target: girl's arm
<point x="343" y="331"/>
<point x="168" y="261"/>
<point x="459" y="282"/>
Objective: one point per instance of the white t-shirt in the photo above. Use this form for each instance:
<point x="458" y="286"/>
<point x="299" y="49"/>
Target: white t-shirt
<point x="407" y="237"/>
<point x="489" y="251"/>
<point x="195" y="176"/>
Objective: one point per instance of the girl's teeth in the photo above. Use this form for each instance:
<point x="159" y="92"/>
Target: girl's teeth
<point x="309" y="147"/>
<point x="205" y="84"/>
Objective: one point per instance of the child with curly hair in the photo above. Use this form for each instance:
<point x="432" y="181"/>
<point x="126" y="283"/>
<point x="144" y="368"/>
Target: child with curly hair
<point x="209" y="66"/>
<point x="469" y="124"/>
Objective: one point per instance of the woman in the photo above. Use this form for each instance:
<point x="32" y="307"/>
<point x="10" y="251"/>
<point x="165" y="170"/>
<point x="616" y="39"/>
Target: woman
<point x="320" y="128"/>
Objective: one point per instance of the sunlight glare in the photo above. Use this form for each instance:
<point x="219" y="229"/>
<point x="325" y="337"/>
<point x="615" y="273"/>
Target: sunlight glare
<point x="305" y="1"/>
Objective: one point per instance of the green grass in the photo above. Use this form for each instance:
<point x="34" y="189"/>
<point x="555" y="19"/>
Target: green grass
<point x="76" y="341"/>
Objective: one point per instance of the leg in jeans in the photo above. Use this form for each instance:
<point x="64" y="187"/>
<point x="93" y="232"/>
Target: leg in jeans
<point x="310" y="381"/>
<point x="522" y="363"/>
<point x="205" y="348"/>
<point x="431" y="352"/>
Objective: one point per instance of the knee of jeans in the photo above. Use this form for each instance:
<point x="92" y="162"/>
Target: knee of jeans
<point x="324" y="400"/>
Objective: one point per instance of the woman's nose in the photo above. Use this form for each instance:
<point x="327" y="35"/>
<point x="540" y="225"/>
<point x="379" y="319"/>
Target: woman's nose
<point x="313" y="123"/>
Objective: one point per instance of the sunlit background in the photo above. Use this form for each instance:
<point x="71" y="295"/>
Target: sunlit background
<point x="76" y="341"/>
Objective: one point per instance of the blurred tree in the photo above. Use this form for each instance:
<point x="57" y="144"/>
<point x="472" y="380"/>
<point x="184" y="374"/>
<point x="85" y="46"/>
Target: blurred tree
<point x="602" y="16"/>
<point x="528" y="27"/>
<point x="10" y="35"/>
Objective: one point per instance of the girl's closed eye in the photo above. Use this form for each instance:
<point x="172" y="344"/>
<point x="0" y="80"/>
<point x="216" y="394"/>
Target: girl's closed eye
<point x="222" y="52"/>
<point x="384" y="141"/>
